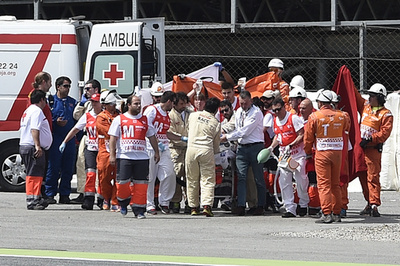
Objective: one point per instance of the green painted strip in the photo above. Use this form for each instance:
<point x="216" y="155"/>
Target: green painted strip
<point x="170" y="259"/>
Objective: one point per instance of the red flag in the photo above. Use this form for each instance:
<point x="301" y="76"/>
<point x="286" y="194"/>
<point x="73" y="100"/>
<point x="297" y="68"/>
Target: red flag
<point x="344" y="86"/>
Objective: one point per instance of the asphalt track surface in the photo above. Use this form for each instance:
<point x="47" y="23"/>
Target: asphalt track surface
<point x="67" y="235"/>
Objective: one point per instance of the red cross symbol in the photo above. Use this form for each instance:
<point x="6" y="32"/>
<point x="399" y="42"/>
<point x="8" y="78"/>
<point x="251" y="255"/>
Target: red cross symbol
<point x="113" y="74"/>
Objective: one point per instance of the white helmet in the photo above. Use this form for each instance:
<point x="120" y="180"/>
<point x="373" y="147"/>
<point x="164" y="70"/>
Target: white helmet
<point x="378" y="89"/>
<point x="276" y="93"/>
<point x="335" y="97"/>
<point x="109" y="97"/>
<point x="157" y="89"/>
<point x="268" y="94"/>
<point x="325" y="96"/>
<point x="275" y="63"/>
<point x="298" y="92"/>
<point x="297" y="81"/>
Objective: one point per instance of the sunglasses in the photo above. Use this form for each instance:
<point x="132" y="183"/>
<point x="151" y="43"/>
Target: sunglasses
<point x="277" y="109"/>
<point x="88" y="88"/>
<point x="66" y="85"/>
<point x="225" y="110"/>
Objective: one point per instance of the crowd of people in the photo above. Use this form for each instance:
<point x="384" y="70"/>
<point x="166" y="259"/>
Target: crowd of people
<point x="157" y="158"/>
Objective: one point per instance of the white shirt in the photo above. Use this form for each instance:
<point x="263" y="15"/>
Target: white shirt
<point x="268" y="122"/>
<point x="151" y="114"/>
<point x="81" y="124"/>
<point x="115" y="130"/>
<point x="297" y="121"/>
<point x="33" y="118"/>
<point x="91" y="144"/>
<point x="298" y="150"/>
<point x="248" y="126"/>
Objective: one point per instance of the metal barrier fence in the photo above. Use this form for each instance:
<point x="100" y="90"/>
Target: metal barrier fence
<point x="371" y="53"/>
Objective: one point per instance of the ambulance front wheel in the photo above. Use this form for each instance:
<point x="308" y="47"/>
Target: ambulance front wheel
<point x="12" y="172"/>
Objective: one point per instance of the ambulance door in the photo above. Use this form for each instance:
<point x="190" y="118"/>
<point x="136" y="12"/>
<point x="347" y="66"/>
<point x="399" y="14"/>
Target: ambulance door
<point x="83" y="30"/>
<point x="113" y="56"/>
<point x="152" y="52"/>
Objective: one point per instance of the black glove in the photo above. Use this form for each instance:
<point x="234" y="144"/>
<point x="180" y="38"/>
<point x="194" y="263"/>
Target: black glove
<point x="364" y="142"/>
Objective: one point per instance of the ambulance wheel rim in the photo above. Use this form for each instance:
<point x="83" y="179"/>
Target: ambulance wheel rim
<point x="13" y="170"/>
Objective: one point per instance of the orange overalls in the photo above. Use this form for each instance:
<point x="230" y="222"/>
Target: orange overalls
<point x="378" y="126"/>
<point x="325" y="128"/>
<point x="105" y="171"/>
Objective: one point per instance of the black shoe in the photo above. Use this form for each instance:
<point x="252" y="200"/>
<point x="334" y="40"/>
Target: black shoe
<point x="51" y="200"/>
<point x="78" y="200"/>
<point x="88" y="203"/>
<point x="269" y="202"/>
<point x="274" y="209"/>
<point x="41" y="205"/>
<point x="226" y="205"/>
<point x="251" y="211"/>
<point x="239" y="211"/>
<point x="64" y="200"/>
<point x="288" y="215"/>
<point x="367" y="210"/>
<point x="164" y="209"/>
<point x="36" y="207"/>
<point x="259" y="211"/>
<point x="374" y="212"/>
<point x="43" y="202"/>
<point x="187" y="210"/>
<point x="176" y="207"/>
<point x="100" y="202"/>
<point x="139" y="212"/>
<point x="302" y="212"/>
<point x="313" y="211"/>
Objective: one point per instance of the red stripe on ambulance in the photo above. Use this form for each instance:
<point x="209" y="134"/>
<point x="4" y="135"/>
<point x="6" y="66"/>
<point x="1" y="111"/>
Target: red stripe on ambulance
<point x="47" y="41"/>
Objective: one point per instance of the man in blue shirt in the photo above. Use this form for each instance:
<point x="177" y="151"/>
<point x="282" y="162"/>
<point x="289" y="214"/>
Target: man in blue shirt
<point x="61" y="164"/>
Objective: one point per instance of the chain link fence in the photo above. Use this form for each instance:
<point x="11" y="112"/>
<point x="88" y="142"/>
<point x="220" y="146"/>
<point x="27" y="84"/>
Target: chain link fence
<point x="371" y="53"/>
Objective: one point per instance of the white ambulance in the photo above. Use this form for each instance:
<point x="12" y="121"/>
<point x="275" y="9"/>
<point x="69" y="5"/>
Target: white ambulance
<point x="121" y="55"/>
